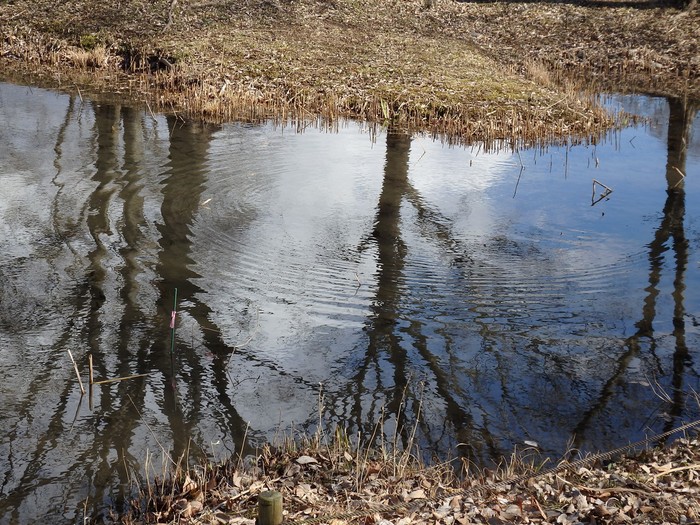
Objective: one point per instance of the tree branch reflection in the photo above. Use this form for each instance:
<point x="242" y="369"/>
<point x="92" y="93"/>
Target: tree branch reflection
<point x="394" y="335"/>
<point x="670" y="235"/>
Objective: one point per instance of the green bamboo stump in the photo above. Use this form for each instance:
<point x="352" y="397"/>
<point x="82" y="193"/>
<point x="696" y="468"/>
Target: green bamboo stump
<point x="269" y="508"/>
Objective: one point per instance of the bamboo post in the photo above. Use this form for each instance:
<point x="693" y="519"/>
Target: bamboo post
<point x="173" y="317"/>
<point x="92" y="380"/>
<point x="77" y="374"/>
<point x="269" y="508"/>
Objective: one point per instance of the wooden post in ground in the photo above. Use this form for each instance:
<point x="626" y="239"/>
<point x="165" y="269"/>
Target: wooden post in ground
<point x="269" y="508"/>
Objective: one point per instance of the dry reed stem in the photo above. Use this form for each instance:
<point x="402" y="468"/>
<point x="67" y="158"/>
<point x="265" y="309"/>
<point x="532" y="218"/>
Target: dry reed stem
<point x="77" y="374"/>
<point x="116" y="379"/>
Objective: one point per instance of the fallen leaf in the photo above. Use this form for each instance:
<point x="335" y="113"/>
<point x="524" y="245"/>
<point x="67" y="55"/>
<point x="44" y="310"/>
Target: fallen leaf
<point x="236" y="480"/>
<point x="302" y="490"/>
<point x="663" y="468"/>
<point x="416" y="494"/>
<point x="256" y="486"/>
<point x="189" y="485"/>
<point x="291" y="470"/>
<point x="211" y="484"/>
<point x="511" y="512"/>
<point x="305" y="460"/>
<point x="193" y="508"/>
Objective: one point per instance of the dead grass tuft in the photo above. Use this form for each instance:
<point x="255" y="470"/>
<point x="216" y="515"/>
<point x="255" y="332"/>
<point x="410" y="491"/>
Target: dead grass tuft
<point x="88" y="59"/>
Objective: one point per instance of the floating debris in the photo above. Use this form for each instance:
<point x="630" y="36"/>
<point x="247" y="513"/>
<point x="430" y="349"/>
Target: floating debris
<point x="606" y="192"/>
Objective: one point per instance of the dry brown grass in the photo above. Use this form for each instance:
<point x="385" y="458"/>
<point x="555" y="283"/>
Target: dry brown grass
<point x="631" y="46"/>
<point x="337" y="481"/>
<point x="513" y="72"/>
<point x="337" y="478"/>
<point x="88" y="59"/>
<point x="384" y="62"/>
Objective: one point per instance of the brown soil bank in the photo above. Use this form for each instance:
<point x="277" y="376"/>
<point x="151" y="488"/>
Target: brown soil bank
<point x="472" y="71"/>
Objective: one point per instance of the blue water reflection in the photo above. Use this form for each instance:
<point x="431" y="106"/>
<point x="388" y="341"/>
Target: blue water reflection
<point x="480" y="298"/>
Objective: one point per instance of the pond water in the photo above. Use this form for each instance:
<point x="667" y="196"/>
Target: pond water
<point x="481" y="299"/>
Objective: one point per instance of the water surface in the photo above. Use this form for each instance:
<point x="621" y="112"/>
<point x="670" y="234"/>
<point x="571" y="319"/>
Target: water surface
<point x="484" y="298"/>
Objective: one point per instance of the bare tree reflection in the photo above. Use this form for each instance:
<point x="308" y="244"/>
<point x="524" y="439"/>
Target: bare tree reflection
<point x="113" y="317"/>
<point x="392" y="335"/>
<point x="670" y="235"/>
<point x="679" y="129"/>
<point x="89" y="298"/>
<point x="182" y="193"/>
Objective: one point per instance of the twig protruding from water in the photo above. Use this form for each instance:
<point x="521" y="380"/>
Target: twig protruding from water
<point x="603" y="195"/>
<point x="77" y="374"/>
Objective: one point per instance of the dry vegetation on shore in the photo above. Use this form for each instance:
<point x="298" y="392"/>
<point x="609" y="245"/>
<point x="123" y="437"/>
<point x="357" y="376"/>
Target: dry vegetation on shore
<point x="624" y="46"/>
<point x="470" y="71"/>
<point x="509" y="71"/>
<point x="335" y="483"/>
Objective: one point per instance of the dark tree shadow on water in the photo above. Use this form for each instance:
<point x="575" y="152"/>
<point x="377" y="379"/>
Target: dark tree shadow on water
<point x="115" y="421"/>
<point x="679" y="130"/>
<point x="199" y="368"/>
<point x="393" y="333"/>
<point x="397" y="337"/>
<point x="108" y="321"/>
<point x="182" y="190"/>
<point x="669" y="235"/>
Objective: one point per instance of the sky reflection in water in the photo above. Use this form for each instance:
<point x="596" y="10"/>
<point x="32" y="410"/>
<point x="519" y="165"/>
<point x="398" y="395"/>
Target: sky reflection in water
<point x="453" y="289"/>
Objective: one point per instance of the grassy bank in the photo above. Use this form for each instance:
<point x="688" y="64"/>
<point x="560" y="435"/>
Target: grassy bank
<point x="412" y="64"/>
<point x="467" y="71"/>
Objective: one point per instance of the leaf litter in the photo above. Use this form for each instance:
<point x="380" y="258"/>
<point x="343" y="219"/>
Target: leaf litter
<point x="468" y="71"/>
<point x="337" y="484"/>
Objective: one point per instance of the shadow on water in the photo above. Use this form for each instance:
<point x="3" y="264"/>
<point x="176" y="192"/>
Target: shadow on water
<point x="466" y="327"/>
<point x="116" y="310"/>
<point x="393" y="334"/>
<point x="395" y="331"/>
<point x="669" y="235"/>
<point x="183" y="186"/>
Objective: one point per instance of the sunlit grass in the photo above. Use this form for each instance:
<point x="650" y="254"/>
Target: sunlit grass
<point x="387" y="63"/>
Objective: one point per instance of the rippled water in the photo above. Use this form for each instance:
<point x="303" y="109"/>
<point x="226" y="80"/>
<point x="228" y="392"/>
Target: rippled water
<point x="477" y="296"/>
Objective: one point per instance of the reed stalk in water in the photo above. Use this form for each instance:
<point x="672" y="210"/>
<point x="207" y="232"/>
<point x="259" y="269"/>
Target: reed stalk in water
<point x="77" y="374"/>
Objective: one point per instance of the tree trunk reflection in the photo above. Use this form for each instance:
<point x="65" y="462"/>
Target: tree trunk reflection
<point x="670" y="235"/>
<point x="182" y="193"/>
<point x="394" y="332"/>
